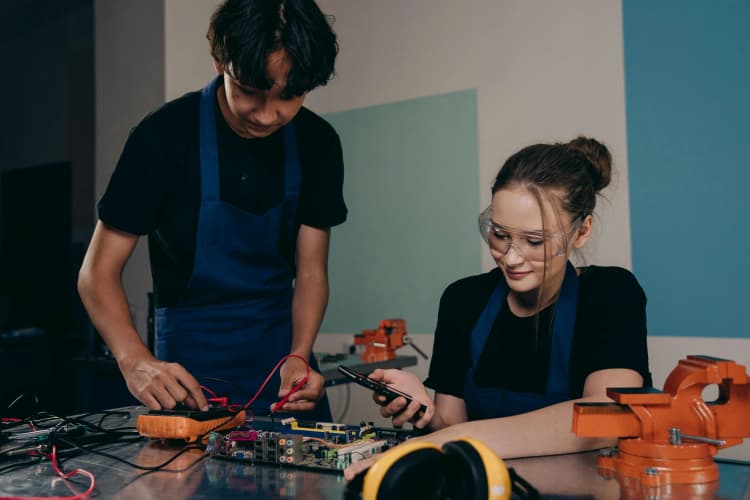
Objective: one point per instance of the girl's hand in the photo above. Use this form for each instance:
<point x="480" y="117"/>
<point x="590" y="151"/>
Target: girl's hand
<point x="360" y="466"/>
<point x="398" y="409"/>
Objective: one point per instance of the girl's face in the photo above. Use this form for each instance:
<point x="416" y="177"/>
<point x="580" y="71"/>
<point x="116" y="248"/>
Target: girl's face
<point x="521" y="248"/>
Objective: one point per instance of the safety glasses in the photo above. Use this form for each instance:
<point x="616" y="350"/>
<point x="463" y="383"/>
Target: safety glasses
<point x="532" y="245"/>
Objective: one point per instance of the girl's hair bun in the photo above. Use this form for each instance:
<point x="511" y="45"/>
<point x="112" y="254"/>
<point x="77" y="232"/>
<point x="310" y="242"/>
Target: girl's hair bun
<point x="598" y="157"/>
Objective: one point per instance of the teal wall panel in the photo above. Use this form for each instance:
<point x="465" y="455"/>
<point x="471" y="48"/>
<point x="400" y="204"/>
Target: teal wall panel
<point x="412" y="188"/>
<point x="687" y="80"/>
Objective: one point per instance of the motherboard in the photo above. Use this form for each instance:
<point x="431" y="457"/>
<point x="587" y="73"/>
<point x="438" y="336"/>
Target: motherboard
<point x="322" y="446"/>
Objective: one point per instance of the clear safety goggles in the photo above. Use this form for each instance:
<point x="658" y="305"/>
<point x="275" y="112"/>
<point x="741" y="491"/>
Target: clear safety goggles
<point x="530" y="245"/>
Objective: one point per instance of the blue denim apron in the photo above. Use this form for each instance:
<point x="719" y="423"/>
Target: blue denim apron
<point x="234" y="321"/>
<point x="490" y="402"/>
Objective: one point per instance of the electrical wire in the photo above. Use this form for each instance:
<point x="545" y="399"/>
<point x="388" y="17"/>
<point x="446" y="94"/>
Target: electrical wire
<point x="521" y="487"/>
<point x="294" y="389"/>
<point x="227" y="382"/>
<point x="34" y="460"/>
<point x="36" y="399"/>
<point x="73" y="473"/>
<point x="112" y="437"/>
<point x="209" y="391"/>
<point x="174" y="471"/>
<point x="10" y="451"/>
<point x="280" y="404"/>
<point x="252" y="399"/>
<point x="119" y="435"/>
<point x="247" y="405"/>
<point x="39" y="420"/>
<point x="152" y="468"/>
<point x="327" y="443"/>
<point x="66" y="476"/>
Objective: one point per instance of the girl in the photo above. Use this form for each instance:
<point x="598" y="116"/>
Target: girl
<point x="517" y="346"/>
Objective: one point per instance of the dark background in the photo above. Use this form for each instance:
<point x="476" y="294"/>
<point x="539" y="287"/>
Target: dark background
<point x="50" y="355"/>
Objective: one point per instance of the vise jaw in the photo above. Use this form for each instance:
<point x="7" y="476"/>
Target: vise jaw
<point x="671" y="436"/>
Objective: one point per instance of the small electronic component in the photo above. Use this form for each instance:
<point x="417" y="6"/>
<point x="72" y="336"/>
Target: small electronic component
<point x="322" y="446"/>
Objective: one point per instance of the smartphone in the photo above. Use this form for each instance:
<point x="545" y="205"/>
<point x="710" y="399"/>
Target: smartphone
<point x="378" y="387"/>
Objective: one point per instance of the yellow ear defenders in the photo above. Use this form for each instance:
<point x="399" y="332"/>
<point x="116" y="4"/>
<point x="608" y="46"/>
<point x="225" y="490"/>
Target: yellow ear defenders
<point x="465" y="469"/>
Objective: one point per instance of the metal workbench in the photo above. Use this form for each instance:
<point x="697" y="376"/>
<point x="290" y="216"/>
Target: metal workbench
<point x="193" y="476"/>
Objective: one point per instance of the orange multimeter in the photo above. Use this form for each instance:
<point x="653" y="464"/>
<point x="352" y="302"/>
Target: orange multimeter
<point x="187" y="424"/>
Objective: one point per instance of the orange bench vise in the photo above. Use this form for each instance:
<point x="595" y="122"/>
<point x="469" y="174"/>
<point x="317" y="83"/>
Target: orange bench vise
<point x="381" y="344"/>
<point x="670" y="436"/>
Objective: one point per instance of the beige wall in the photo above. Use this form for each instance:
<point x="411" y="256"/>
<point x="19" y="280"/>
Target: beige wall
<point x="187" y="61"/>
<point x="545" y="71"/>
<point x="129" y="62"/>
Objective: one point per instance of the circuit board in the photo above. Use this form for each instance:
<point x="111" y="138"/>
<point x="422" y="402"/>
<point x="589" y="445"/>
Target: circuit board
<point x="321" y="446"/>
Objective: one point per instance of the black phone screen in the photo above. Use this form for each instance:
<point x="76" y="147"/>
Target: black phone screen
<point x="378" y="387"/>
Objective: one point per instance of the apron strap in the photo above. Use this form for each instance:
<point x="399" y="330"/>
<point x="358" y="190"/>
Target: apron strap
<point x="562" y="330"/>
<point x="483" y="326"/>
<point x="209" y="154"/>
<point x="563" y="327"/>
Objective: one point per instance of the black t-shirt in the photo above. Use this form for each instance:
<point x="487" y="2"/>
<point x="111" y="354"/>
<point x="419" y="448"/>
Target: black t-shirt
<point x="610" y="332"/>
<point x="155" y="188"/>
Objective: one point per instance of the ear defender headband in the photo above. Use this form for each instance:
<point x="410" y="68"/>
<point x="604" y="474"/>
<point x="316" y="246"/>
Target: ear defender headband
<point x="475" y="471"/>
<point x="465" y="469"/>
